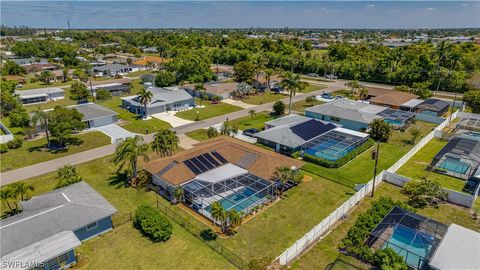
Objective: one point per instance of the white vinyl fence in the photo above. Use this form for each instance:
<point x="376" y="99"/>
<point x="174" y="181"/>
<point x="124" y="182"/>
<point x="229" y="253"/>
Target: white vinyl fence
<point x="324" y="227"/>
<point x="8" y="135"/>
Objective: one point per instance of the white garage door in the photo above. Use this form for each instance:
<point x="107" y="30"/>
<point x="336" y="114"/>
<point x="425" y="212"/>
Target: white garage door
<point x="103" y="121"/>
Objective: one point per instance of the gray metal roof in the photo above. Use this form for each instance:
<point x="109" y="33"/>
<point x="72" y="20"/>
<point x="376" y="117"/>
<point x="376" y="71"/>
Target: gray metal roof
<point x="161" y="96"/>
<point x="38" y="91"/>
<point x="110" y="67"/>
<point x="65" y="209"/>
<point x="288" y="119"/>
<point x="92" y="111"/>
<point x="459" y="249"/>
<point x="43" y="250"/>
<point x="349" y="110"/>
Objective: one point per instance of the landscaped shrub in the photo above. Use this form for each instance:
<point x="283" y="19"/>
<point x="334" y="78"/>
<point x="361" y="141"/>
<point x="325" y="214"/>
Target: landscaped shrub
<point x="341" y="161"/>
<point x="424" y="192"/>
<point x="14" y="144"/>
<point x="388" y="259"/>
<point x="152" y="224"/>
<point x="103" y="94"/>
<point x="3" y="148"/>
<point x="354" y="243"/>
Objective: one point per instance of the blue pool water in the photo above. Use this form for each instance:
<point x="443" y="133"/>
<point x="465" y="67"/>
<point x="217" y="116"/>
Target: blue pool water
<point x="235" y="198"/>
<point x="412" y="246"/>
<point x="454" y="165"/>
<point x="474" y="134"/>
<point x="330" y="150"/>
<point x="393" y="122"/>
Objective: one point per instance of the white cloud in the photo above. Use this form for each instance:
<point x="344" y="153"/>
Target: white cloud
<point x="370" y="5"/>
<point x="431" y="8"/>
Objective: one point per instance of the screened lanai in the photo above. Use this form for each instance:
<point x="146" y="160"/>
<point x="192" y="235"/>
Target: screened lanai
<point x="412" y="236"/>
<point x="472" y="124"/>
<point x="231" y="185"/>
<point x="334" y="144"/>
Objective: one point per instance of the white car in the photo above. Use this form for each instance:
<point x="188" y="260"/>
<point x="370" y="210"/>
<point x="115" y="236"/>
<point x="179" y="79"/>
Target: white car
<point x="331" y="77"/>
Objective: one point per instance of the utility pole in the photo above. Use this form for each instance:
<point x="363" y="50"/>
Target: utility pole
<point x="453" y="108"/>
<point x="377" y="153"/>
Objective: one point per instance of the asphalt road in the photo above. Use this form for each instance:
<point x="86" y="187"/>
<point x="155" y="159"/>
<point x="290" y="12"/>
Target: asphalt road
<point x="78" y="158"/>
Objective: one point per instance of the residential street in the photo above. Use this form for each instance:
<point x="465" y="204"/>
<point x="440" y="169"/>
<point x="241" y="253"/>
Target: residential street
<point x="74" y="159"/>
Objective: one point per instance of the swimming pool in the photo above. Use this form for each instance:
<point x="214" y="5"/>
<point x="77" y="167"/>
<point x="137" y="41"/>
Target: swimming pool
<point x="454" y="165"/>
<point x="413" y="246"/>
<point x="240" y="201"/>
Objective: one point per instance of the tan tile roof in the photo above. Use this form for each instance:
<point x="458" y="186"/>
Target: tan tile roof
<point x="217" y="88"/>
<point x="393" y="98"/>
<point x="149" y="58"/>
<point x="233" y="150"/>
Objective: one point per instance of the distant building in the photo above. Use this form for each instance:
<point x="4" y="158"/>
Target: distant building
<point x="214" y="89"/>
<point x="116" y="87"/>
<point x="392" y="99"/>
<point x="155" y="61"/>
<point x="52" y="225"/>
<point x="433" y="107"/>
<point x="40" y="95"/>
<point x="114" y="69"/>
<point x="163" y="100"/>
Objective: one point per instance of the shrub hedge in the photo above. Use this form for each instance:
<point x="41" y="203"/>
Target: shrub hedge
<point x="14" y="144"/>
<point x="339" y="162"/>
<point x="152" y="224"/>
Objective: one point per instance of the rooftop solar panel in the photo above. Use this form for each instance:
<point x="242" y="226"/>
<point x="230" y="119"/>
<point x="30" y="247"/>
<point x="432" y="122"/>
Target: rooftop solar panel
<point x="205" y="162"/>
<point x="311" y="129"/>
<point x="199" y="165"/>
<point x="219" y="157"/>
<point x="212" y="160"/>
<point x="192" y="167"/>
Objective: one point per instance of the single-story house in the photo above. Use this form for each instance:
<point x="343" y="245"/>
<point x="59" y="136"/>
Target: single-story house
<point x="262" y="83"/>
<point x="357" y="115"/>
<point x="411" y="105"/>
<point x="148" y="79"/>
<point x="233" y="172"/>
<point x="31" y="68"/>
<point x="433" y="107"/>
<point x="45" y="234"/>
<point x="113" y="69"/>
<point x="17" y="78"/>
<point x="214" y="89"/>
<point x="163" y="100"/>
<point x="155" y="61"/>
<point x="40" y="95"/>
<point x="392" y="99"/>
<point x="222" y="72"/>
<point x="116" y="87"/>
<point x="28" y="61"/>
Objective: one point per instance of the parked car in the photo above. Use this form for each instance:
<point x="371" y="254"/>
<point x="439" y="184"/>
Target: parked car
<point x="331" y="77"/>
<point x="339" y="97"/>
<point x="327" y="96"/>
<point x="250" y="132"/>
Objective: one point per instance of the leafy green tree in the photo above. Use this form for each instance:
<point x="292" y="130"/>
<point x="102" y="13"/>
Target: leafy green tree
<point x="354" y="86"/>
<point x="165" y="78"/>
<point x="292" y="83"/>
<point x="145" y="96"/>
<point x="144" y="178"/>
<point x="268" y="76"/>
<point x="192" y="66"/>
<point x="12" y="68"/>
<point x="152" y="224"/>
<point x="67" y="176"/>
<point x="178" y="194"/>
<point x="415" y="133"/>
<point x="379" y="130"/>
<point x="46" y="76"/>
<point x="282" y="175"/>
<point x="421" y="90"/>
<point x="472" y="100"/>
<point x="127" y="153"/>
<point x="165" y="142"/>
<point x="62" y="122"/>
<point x="311" y="100"/>
<point x="42" y="118"/>
<point x="65" y="73"/>
<point x="80" y="74"/>
<point x="6" y="195"/>
<point x="79" y="92"/>
<point x="19" y="118"/>
<point x="244" y="72"/>
<point x="8" y="101"/>
<point x="22" y="189"/>
<point x="424" y="192"/>
<point x="362" y="93"/>
<point x="279" y="108"/>
<point x="388" y="259"/>
<point x="212" y="132"/>
<point x="103" y="94"/>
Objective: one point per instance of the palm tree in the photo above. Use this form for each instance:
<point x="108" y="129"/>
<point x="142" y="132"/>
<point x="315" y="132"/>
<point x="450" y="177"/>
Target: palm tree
<point x="21" y="189"/>
<point x="201" y="91"/>
<point x="212" y="132"/>
<point x="42" y="117"/>
<point x="252" y="114"/>
<point x="354" y="86"/>
<point x="178" y="194"/>
<point x="219" y="214"/>
<point x="235" y="220"/>
<point x="127" y="153"/>
<point x="145" y="97"/>
<point x="268" y="76"/>
<point x="292" y="83"/>
<point x="165" y="142"/>
<point x="281" y="176"/>
<point x="363" y="93"/>
<point x="5" y="195"/>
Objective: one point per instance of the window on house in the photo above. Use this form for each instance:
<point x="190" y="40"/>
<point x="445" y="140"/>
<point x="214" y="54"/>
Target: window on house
<point x="92" y="226"/>
<point x="336" y="119"/>
<point x="63" y="258"/>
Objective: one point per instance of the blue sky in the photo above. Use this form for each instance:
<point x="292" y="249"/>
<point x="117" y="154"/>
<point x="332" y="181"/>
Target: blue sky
<point x="232" y="14"/>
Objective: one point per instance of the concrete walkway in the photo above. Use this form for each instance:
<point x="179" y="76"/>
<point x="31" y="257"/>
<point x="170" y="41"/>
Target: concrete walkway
<point x="186" y="142"/>
<point x="74" y="159"/>
<point x="238" y="103"/>
<point x="170" y="118"/>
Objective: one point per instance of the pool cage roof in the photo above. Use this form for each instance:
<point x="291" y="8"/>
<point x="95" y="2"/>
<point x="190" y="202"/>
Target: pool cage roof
<point x="335" y="142"/>
<point x="203" y="193"/>
<point x="463" y="148"/>
<point x="426" y="231"/>
<point x="472" y="124"/>
<point x="396" y="115"/>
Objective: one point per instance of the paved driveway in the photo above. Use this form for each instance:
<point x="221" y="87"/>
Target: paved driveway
<point x="170" y="118"/>
<point x="238" y="103"/>
<point x="115" y="132"/>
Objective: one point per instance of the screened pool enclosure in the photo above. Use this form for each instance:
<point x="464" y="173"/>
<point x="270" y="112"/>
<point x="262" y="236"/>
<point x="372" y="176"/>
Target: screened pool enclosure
<point x="231" y="185"/>
<point x="412" y="236"/>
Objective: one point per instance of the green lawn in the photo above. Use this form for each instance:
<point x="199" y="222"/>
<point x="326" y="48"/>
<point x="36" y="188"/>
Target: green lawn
<point x="416" y="167"/>
<point x="31" y="152"/>
<point x="263" y="98"/>
<point x="138" y="73"/>
<point x="311" y="88"/>
<point x="300" y="106"/>
<point x="360" y="169"/>
<point x="278" y="227"/>
<point x="210" y="110"/>
<point x="42" y="85"/>
<point x="326" y="251"/>
<point x="125" y="247"/>
<point x="258" y="122"/>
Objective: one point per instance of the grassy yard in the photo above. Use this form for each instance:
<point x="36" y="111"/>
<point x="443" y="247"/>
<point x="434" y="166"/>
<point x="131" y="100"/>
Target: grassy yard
<point x="31" y="151"/>
<point x="326" y="251"/>
<point x="125" y="247"/>
<point x="210" y="110"/>
<point x="139" y="73"/>
<point x="272" y="231"/>
<point x="258" y="122"/>
<point x="40" y="84"/>
<point x="263" y="98"/>
<point x="311" y="88"/>
<point x="51" y="104"/>
<point x="300" y="106"/>
<point x="416" y="167"/>
<point x="360" y="170"/>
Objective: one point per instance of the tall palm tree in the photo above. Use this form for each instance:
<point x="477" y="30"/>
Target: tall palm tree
<point x="235" y="220"/>
<point x="252" y="114"/>
<point x="268" y="76"/>
<point x="127" y="153"/>
<point x="39" y="116"/>
<point x="22" y="189"/>
<point x="219" y="214"/>
<point x="165" y="142"/>
<point x="281" y="176"/>
<point x="201" y="91"/>
<point x="293" y="84"/>
<point x="145" y="97"/>
<point x="5" y="195"/>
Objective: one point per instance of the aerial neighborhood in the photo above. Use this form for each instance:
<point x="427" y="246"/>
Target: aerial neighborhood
<point x="239" y="149"/>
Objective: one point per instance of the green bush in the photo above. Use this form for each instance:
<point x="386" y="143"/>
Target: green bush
<point x="152" y="224"/>
<point x="103" y="94"/>
<point x="388" y="259"/>
<point x="3" y="148"/>
<point x="14" y="144"/>
<point x="424" y="192"/>
<point x="341" y="161"/>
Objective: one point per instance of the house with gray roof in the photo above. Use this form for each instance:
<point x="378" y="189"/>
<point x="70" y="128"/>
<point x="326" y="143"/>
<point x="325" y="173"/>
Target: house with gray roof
<point x="40" y="95"/>
<point x="114" y="69"/>
<point x="164" y="99"/>
<point x="52" y="225"/>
